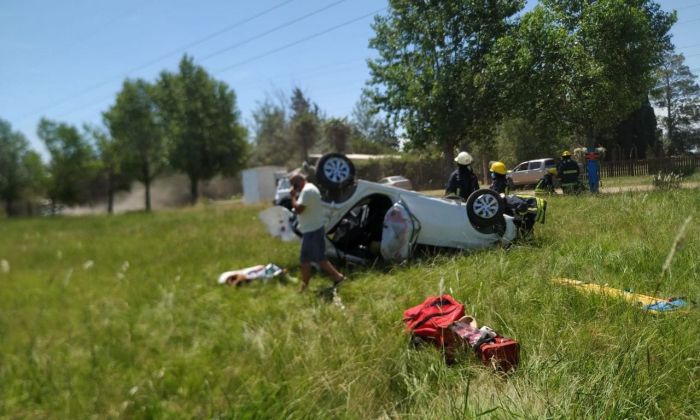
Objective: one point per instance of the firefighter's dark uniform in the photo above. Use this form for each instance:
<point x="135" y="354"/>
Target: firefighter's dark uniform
<point x="568" y="172"/>
<point x="462" y="182"/>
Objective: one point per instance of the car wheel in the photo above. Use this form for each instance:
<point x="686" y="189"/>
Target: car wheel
<point x="485" y="210"/>
<point x="335" y="171"/>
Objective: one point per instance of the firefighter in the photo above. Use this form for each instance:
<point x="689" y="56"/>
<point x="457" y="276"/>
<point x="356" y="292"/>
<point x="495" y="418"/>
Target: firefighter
<point x="546" y="183"/>
<point x="462" y="181"/>
<point x="568" y="172"/>
<point x="498" y="177"/>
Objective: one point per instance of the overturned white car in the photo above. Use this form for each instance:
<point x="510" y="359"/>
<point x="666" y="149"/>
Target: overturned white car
<point x="367" y="220"/>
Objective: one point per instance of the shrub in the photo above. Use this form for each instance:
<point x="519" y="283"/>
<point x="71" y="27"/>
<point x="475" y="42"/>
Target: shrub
<point x="667" y="181"/>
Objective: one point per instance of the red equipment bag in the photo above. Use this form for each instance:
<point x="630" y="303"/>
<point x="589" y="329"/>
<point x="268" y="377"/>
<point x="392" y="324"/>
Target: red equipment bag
<point x="430" y="320"/>
<point x="502" y="353"/>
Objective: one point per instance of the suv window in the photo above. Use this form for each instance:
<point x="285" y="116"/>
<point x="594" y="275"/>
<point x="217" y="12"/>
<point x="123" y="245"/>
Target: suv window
<point x="521" y="167"/>
<point x="550" y="162"/>
<point x="535" y="165"/>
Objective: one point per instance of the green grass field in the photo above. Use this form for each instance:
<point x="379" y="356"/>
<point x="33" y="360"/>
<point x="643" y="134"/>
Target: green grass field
<point x="122" y="317"/>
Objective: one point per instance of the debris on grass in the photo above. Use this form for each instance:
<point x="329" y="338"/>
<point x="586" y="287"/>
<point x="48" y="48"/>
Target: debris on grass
<point x="651" y="304"/>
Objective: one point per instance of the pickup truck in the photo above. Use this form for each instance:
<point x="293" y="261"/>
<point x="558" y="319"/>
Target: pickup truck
<point x="529" y="172"/>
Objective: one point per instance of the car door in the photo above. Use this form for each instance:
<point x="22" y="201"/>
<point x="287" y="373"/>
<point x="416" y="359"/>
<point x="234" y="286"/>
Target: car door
<point x="534" y="171"/>
<point x="519" y="174"/>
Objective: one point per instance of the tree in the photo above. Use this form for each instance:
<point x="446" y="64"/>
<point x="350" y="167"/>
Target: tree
<point x="202" y="124"/>
<point x="37" y="178"/>
<point x="678" y="93"/>
<point x="427" y="77"/>
<point x="518" y="140"/>
<point x="304" y="123"/>
<point x="110" y="164"/>
<point x="134" y="124"/>
<point x="582" y="64"/>
<point x="14" y="177"/>
<point x="273" y="145"/>
<point x="72" y="165"/>
<point x="635" y="135"/>
<point x="371" y="131"/>
<point x="338" y="132"/>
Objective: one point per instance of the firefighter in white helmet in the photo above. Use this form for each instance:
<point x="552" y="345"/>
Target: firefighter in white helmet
<point x="462" y="181"/>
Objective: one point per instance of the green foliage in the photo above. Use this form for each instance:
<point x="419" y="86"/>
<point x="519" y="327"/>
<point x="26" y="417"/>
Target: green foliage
<point x="304" y="123"/>
<point x="134" y="325"/>
<point x="372" y="134"/>
<point x="634" y="136"/>
<point x="428" y="76"/>
<point x="202" y="124"/>
<point x="272" y="143"/>
<point x="678" y="94"/>
<point x="134" y="124"/>
<point x="73" y="164"/>
<point x="16" y="165"/>
<point x="583" y="65"/>
<point x="518" y="140"/>
<point x="337" y="131"/>
<point x="111" y="177"/>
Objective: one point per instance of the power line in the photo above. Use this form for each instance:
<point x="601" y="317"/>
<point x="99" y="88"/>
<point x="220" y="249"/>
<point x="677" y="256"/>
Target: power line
<point x="162" y="57"/>
<point x="299" y="41"/>
<point x="275" y="29"/>
<point x="265" y="54"/>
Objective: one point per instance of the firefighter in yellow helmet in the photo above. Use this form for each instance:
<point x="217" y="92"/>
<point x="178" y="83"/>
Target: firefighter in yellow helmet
<point x="546" y="184"/>
<point x="498" y="177"/>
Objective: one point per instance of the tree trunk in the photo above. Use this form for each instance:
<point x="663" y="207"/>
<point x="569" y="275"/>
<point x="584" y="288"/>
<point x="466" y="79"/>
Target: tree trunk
<point x="110" y="193"/>
<point x="590" y="136"/>
<point x="194" y="189"/>
<point x="146" y="174"/>
<point x="448" y="154"/>
<point x="147" y="184"/>
<point x="485" y="170"/>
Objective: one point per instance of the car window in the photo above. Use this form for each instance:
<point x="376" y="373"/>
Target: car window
<point x="521" y="167"/>
<point x="535" y="165"/>
<point x="550" y="162"/>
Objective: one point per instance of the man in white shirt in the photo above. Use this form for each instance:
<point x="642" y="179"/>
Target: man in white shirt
<point x="306" y="203"/>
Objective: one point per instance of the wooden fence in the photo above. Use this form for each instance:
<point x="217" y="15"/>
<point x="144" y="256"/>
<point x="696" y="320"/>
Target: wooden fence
<point x="684" y="165"/>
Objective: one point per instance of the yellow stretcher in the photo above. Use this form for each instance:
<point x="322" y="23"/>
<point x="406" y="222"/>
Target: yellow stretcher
<point x="651" y="304"/>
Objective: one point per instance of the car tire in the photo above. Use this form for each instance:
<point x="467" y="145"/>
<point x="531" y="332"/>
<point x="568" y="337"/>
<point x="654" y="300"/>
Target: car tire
<point x="485" y="210"/>
<point x="335" y="171"/>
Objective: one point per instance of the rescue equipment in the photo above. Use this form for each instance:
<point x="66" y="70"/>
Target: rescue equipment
<point x="648" y="303"/>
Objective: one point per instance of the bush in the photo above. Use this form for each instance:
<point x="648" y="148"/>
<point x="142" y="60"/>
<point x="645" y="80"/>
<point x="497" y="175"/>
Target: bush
<point x="667" y="181"/>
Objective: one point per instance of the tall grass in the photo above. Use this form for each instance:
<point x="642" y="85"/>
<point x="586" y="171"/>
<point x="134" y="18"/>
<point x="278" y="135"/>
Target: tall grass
<point x="122" y="317"/>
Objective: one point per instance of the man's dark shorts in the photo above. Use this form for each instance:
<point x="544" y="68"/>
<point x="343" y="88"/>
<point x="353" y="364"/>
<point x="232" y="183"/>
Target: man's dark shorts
<point x="313" y="246"/>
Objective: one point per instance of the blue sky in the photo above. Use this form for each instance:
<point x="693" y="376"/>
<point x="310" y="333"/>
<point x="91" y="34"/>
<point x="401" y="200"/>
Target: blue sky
<point x="66" y="60"/>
